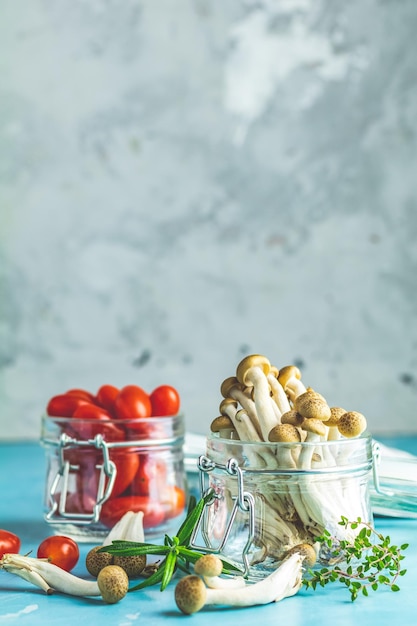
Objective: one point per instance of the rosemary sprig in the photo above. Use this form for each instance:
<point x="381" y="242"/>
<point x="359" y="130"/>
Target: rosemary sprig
<point x="175" y="550"/>
<point x="378" y="562"/>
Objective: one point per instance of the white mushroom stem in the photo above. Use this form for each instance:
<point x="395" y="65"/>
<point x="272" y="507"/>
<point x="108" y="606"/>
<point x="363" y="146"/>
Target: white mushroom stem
<point x="262" y="399"/>
<point x="246" y="426"/>
<point x="231" y="388"/>
<point x="47" y="576"/>
<point x="216" y="582"/>
<point x="229" y="408"/>
<point x="278" y="394"/>
<point x="210" y="566"/>
<point x="284" y="582"/>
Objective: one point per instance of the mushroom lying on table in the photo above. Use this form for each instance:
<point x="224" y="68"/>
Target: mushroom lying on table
<point x="191" y="594"/>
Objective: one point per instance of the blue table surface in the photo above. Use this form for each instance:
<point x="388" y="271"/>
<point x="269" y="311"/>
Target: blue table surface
<point x="22" y="477"/>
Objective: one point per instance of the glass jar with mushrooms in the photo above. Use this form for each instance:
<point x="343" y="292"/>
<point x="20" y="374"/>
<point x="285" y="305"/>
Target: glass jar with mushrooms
<point x="284" y="467"/>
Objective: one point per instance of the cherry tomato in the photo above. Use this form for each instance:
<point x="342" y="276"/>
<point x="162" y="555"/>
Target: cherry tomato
<point x="165" y="400"/>
<point x="113" y="509"/>
<point x="127" y="463"/>
<point x="9" y="542"/>
<point x="97" y="423"/>
<point x="173" y="500"/>
<point x="150" y="478"/>
<point x="106" y="396"/>
<point x="59" y="550"/>
<point x="91" y="411"/>
<point x="63" y="405"/>
<point x="78" y="502"/>
<point x="81" y="393"/>
<point x="132" y="402"/>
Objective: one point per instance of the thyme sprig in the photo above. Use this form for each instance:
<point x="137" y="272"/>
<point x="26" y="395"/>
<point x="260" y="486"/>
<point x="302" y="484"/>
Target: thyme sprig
<point x="176" y="550"/>
<point x="375" y="561"/>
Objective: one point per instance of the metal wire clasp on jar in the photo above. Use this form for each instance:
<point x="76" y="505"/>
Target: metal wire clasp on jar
<point x="264" y="505"/>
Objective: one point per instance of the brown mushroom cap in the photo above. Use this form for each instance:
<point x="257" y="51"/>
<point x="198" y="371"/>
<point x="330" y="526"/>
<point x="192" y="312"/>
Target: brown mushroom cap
<point x="274" y="371"/>
<point x="95" y="561"/>
<point x="208" y="565"/>
<point x="190" y="594"/>
<point x="246" y="364"/>
<point x="132" y="565"/>
<point x="227" y="403"/>
<point x="284" y="433"/>
<point x="287" y="372"/>
<point x="220" y="423"/>
<point x="113" y="583"/>
<point x="352" y="424"/>
<point x="307" y="552"/>
<point x="336" y="413"/>
<point x="292" y="417"/>
<point x="316" y="393"/>
<point x="228" y="384"/>
<point x="311" y="405"/>
<point x="313" y="425"/>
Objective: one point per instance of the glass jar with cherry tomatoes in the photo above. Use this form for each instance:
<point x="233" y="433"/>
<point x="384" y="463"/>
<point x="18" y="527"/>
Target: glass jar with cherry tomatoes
<point x="113" y="452"/>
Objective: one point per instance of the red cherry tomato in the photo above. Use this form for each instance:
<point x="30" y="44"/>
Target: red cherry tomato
<point x="173" y="500"/>
<point x="91" y="411"/>
<point x="63" y="405"/>
<point x="106" y="396"/>
<point x="127" y="463"/>
<point x="150" y="478"/>
<point x="59" y="550"/>
<point x="132" y="402"/>
<point x="98" y="423"/>
<point x="165" y="400"/>
<point x="81" y="393"/>
<point x="115" y="508"/>
<point x="9" y="542"/>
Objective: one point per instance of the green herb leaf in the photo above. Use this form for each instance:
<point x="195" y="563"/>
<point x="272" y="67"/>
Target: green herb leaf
<point x="187" y="527"/>
<point x="131" y="548"/>
<point x="169" y="569"/>
<point x="380" y="564"/>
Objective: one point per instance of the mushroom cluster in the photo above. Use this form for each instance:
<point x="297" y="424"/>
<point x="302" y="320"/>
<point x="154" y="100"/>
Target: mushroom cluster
<point x="291" y="429"/>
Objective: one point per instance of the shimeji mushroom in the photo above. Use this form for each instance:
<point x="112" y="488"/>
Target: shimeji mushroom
<point x="352" y="424"/>
<point x="224" y="426"/>
<point x="252" y="371"/>
<point x="307" y="551"/>
<point x="244" y="426"/>
<point x="112" y="583"/>
<point x="285" y="433"/>
<point x="290" y="379"/>
<point x="315" y="429"/>
<point x="309" y="404"/>
<point x="277" y="390"/>
<point x="191" y="594"/>
<point x="128" y="528"/>
<point x="210" y="566"/>
<point x="336" y="412"/>
<point x="232" y="388"/>
<point x="289" y="434"/>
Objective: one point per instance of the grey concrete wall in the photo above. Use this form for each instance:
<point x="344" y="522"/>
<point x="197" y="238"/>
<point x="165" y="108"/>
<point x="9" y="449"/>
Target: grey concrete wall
<point x="183" y="182"/>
